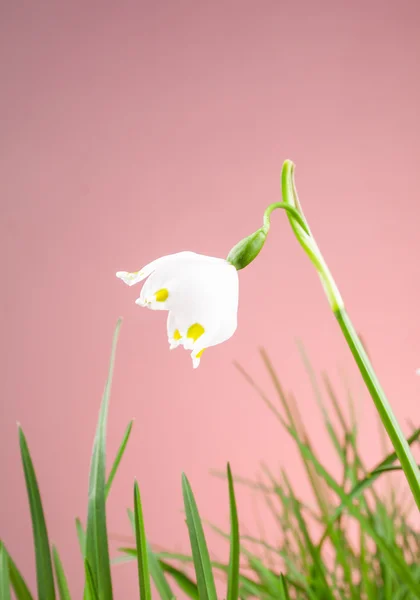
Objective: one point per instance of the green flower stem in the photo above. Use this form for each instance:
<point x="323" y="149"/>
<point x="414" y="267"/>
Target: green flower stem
<point x="303" y="234"/>
<point x="402" y="449"/>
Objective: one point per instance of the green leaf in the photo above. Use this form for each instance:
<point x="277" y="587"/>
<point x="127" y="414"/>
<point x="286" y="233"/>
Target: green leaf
<point x="44" y="572"/>
<point x="141" y="545"/>
<point x="63" y="588"/>
<point x="4" y="575"/>
<point x="202" y="564"/>
<point x="81" y="536"/>
<point x="233" y="574"/>
<point x="20" y="588"/>
<point x="118" y="458"/>
<point x="182" y="580"/>
<point x="91" y="592"/>
<point x="97" y="551"/>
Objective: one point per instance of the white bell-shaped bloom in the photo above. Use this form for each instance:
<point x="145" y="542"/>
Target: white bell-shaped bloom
<point x="201" y="294"/>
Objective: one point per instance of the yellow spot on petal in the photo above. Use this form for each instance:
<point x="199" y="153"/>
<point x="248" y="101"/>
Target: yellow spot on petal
<point x="161" y="295"/>
<point x="198" y="355"/>
<point x="177" y="335"/>
<point x="195" y="331"/>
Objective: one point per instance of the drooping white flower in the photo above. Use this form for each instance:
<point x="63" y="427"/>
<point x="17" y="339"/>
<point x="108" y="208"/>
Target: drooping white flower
<point x="201" y="294"/>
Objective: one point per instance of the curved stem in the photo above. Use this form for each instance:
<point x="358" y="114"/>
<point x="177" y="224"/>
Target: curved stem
<point x="402" y="448"/>
<point x="292" y="212"/>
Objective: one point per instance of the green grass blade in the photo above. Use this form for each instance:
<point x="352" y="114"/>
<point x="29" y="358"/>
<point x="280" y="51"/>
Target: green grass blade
<point x="141" y="545"/>
<point x="17" y="582"/>
<point x="81" y="536"/>
<point x="187" y="585"/>
<point x="44" y="571"/>
<point x="155" y="567"/>
<point x="4" y="575"/>
<point x="284" y="590"/>
<point x="158" y="576"/>
<point x="97" y="551"/>
<point x="63" y="588"/>
<point x="90" y="588"/>
<point x="392" y="557"/>
<point x="202" y="564"/>
<point x="233" y="574"/>
<point x="19" y="586"/>
<point x="118" y="458"/>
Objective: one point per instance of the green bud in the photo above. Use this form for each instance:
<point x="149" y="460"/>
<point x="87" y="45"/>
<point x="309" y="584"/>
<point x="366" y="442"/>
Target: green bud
<point x="247" y="249"/>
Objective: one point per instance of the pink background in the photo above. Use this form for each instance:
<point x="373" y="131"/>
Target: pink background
<point x="135" y="129"/>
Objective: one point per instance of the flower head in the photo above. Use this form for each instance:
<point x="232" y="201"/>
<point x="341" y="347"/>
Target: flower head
<point x="200" y="294"/>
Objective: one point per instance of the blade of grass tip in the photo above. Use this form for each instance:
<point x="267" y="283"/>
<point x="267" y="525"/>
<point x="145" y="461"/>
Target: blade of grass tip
<point x="4" y="575"/>
<point x="19" y="586"/>
<point x="233" y="574"/>
<point x="284" y="590"/>
<point x="81" y="536"/>
<point x="97" y="551"/>
<point x="63" y="588"/>
<point x="202" y="564"/>
<point x="44" y="572"/>
<point x="141" y="545"/>
<point x="118" y="458"/>
<point x="182" y="580"/>
<point x="91" y="592"/>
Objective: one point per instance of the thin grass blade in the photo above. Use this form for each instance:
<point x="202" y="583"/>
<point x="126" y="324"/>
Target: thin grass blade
<point x="118" y="458"/>
<point x="81" y="536"/>
<point x="63" y="587"/>
<point x="284" y="590"/>
<point x="97" y="551"/>
<point x="187" y="585"/>
<point x="141" y="546"/>
<point x="233" y="573"/>
<point x="90" y="588"/>
<point x="44" y="571"/>
<point x="158" y="576"/>
<point x="19" y="586"/>
<point x="202" y="564"/>
<point x="4" y="575"/>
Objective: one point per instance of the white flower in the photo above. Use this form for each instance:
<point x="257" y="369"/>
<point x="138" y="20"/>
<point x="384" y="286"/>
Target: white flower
<point x="417" y="371"/>
<point x="201" y="294"/>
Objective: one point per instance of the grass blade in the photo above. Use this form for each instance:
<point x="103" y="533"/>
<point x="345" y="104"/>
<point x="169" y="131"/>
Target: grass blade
<point x="158" y="576"/>
<point x="19" y="586"/>
<point x="81" y="536"/>
<point x="63" y="588"/>
<point x="118" y="458"/>
<point x="202" y="564"/>
<point x="97" y="551"/>
<point x="156" y="570"/>
<point x="44" y="572"/>
<point x="187" y="585"/>
<point x="141" y="545"/>
<point x="4" y="575"/>
<point x="233" y="573"/>
<point x="284" y="591"/>
<point x="91" y="592"/>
